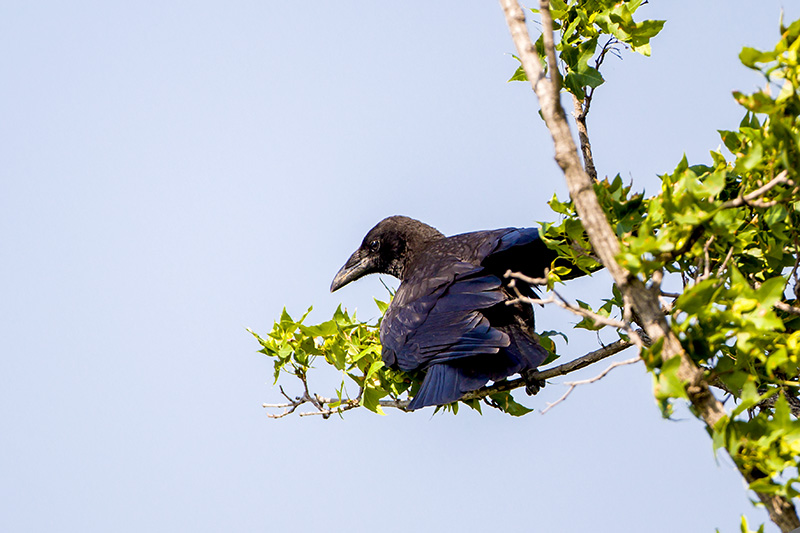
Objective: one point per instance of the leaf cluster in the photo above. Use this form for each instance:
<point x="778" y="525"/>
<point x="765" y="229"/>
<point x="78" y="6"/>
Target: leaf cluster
<point x="347" y="344"/>
<point x="730" y="233"/>
<point x="353" y="348"/>
<point x="582" y="26"/>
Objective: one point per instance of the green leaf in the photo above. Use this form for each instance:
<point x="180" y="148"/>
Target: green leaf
<point x="557" y="8"/>
<point x="373" y="367"/>
<point x="382" y="306"/>
<point x="508" y="405"/>
<point x="326" y="329"/>
<point x="753" y="158"/>
<point x="715" y="182"/>
<point x="286" y="322"/>
<point x="694" y="300"/>
<point x="519" y="75"/>
<point x="750" y="398"/>
<point x="765" y="486"/>
<point x="371" y="399"/>
<point x="668" y="385"/>
<point x="590" y="77"/>
<point x="775" y="215"/>
<point x="771" y="291"/>
<point x="750" y="57"/>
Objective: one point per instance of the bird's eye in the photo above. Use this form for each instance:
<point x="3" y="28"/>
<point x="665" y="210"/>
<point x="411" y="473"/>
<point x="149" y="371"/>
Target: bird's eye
<point x="374" y="246"/>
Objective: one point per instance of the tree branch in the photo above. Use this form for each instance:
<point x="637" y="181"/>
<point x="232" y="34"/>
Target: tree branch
<point x="783" y="306"/>
<point x="316" y="400"/>
<point x="581" y="110"/>
<point x="769" y="403"/>
<point x="601" y="375"/>
<point x="605" y="243"/>
<point x="559" y="300"/>
<point x="320" y="402"/>
<point x="560" y="370"/>
<point x="751" y="199"/>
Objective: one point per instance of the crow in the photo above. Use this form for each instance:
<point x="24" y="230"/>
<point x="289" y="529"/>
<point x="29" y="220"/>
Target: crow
<point x="450" y="316"/>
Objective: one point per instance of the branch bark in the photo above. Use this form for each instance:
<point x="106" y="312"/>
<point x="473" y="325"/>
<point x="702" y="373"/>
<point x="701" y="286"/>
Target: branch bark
<point x="325" y="410"/>
<point x="752" y="198"/>
<point x="560" y="370"/>
<point x="580" y="113"/>
<point x="604" y="241"/>
<point x="783" y="306"/>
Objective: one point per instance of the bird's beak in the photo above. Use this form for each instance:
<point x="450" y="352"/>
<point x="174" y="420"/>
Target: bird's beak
<point x="355" y="267"/>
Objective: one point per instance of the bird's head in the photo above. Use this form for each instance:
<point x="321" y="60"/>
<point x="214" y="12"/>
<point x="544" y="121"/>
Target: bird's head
<point x="387" y="249"/>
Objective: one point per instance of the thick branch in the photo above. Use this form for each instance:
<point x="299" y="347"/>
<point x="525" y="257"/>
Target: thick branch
<point x="605" y="243"/>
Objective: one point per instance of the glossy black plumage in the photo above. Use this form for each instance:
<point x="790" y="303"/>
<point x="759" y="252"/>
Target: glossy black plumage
<point x="449" y="316"/>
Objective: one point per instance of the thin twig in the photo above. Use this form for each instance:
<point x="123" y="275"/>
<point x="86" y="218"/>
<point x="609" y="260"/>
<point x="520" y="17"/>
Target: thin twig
<point x="721" y="269"/>
<point x="750" y="199"/>
<point x="656" y="280"/>
<point x="600" y="320"/>
<point x="289" y="408"/>
<point x="794" y="403"/>
<point x="352" y="404"/>
<point x="794" y="275"/>
<point x="527" y="279"/>
<point x="601" y="375"/>
<point x="783" y="306"/>
<point x="706" y="262"/>
<point x="607" y="47"/>
<point x="557" y="299"/>
<point x="580" y="113"/>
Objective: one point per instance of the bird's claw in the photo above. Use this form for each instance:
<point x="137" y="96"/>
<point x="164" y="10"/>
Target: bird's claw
<point x="532" y="385"/>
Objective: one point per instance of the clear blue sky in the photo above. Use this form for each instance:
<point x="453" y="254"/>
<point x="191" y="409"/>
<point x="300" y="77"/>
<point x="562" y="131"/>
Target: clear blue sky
<point x="174" y="172"/>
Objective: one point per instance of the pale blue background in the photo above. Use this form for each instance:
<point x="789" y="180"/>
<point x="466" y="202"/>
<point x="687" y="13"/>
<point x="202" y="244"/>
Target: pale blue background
<point x="173" y="172"/>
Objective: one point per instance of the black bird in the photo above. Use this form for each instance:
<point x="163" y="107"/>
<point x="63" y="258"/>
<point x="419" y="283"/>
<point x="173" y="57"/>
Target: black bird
<point x="449" y="316"/>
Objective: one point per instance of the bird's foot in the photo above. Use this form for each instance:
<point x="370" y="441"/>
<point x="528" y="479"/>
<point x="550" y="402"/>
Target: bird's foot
<point x="532" y="384"/>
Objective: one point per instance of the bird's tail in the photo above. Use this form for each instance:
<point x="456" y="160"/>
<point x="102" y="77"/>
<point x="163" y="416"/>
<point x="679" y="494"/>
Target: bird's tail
<point x="445" y="383"/>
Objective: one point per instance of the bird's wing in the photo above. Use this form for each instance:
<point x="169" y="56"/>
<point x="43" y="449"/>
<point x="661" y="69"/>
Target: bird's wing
<point x="435" y="319"/>
<point x="519" y="250"/>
